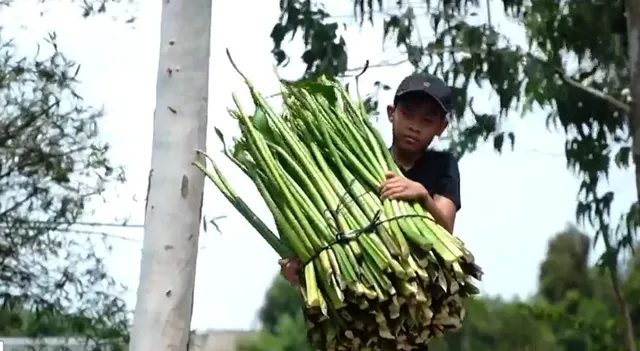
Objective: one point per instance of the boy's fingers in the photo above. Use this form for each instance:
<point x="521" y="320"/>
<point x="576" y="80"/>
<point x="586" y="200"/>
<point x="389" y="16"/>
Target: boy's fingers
<point x="393" y="192"/>
<point x="393" y="180"/>
<point x="396" y="180"/>
<point x="286" y="260"/>
<point x="392" y="184"/>
<point x="397" y="196"/>
<point x="389" y="174"/>
<point x="285" y="263"/>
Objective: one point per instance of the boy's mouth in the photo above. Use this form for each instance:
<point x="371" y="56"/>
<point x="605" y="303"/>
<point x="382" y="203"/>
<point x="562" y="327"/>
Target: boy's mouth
<point x="410" y="140"/>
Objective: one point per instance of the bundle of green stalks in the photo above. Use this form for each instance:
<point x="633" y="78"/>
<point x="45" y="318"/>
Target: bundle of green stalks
<point x="376" y="274"/>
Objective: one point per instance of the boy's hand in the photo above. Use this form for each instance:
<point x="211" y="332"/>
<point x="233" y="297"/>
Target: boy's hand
<point x="289" y="268"/>
<point x="396" y="187"/>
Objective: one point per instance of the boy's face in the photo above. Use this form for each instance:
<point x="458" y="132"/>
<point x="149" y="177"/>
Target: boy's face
<point x="416" y="119"/>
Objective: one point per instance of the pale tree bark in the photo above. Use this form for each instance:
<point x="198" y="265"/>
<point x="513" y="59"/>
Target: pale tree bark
<point x="174" y="201"/>
<point x="633" y="33"/>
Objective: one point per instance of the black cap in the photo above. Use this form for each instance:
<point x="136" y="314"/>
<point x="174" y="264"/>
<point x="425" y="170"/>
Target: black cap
<point x="429" y="85"/>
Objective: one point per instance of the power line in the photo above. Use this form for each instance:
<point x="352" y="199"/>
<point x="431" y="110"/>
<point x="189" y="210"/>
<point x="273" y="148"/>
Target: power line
<point x="77" y="231"/>
<point x="35" y="224"/>
<point x="81" y="223"/>
<point x="55" y="225"/>
<point x="106" y="235"/>
<point x="109" y="224"/>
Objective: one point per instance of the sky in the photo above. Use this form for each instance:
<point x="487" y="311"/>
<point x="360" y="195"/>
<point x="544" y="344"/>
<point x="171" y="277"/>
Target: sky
<point x="512" y="203"/>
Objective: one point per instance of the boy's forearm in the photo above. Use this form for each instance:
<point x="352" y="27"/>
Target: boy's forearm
<point x="430" y="205"/>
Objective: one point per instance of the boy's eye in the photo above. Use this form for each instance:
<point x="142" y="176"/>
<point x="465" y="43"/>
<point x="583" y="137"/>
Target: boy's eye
<point x="428" y="118"/>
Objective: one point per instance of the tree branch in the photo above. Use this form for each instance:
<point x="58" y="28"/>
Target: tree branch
<point x="626" y="108"/>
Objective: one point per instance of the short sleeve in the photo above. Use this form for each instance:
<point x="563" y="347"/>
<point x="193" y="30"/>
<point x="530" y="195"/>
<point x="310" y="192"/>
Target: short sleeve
<point x="449" y="180"/>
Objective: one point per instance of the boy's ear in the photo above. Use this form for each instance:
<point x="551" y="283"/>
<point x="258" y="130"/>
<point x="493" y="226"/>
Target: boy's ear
<point x="390" y="111"/>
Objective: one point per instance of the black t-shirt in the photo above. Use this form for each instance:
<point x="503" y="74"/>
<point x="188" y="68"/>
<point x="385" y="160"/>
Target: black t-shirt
<point x="438" y="172"/>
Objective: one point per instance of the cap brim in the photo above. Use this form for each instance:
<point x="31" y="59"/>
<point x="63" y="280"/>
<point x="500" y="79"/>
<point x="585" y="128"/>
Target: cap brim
<point x="422" y="91"/>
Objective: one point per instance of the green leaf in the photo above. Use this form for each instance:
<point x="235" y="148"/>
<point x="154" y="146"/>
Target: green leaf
<point x="326" y="90"/>
<point x="623" y="156"/>
<point x="498" y="140"/>
<point x="512" y="139"/>
<point x="261" y="123"/>
<point x="240" y="152"/>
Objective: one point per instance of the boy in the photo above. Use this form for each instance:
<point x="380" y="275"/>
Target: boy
<point x="418" y="115"/>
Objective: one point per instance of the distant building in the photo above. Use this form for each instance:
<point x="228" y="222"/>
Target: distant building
<point x="215" y="340"/>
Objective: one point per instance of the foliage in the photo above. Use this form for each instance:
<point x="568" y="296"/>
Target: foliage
<point x="281" y="299"/>
<point x="282" y="321"/>
<point x="52" y="163"/>
<point x="563" y="316"/>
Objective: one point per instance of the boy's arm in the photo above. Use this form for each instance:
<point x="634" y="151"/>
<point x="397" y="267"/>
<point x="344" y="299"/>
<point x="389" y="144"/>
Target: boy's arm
<point x="442" y="209"/>
<point x="444" y="203"/>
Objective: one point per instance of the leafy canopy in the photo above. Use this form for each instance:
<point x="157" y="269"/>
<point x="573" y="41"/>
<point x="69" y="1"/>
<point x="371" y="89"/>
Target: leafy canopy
<point x="52" y="163"/>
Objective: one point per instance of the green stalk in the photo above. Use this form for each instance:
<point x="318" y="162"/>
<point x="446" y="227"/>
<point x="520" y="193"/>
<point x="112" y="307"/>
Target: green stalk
<point x="313" y="191"/>
<point x="301" y="245"/>
<point x="370" y="134"/>
<point x="313" y="295"/>
<point x="337" y="144"/>
<point x="371" y="279"/>
<point x="337" y="255"/>
<point x="441" y="245"/>
<point x="316" y="197"/>
<point x="371" y="205"/>
<point x="377" y="144"/>
<point x="331" y="116"/>
<point x="336" y="202"/>
<point x="315" y="217"/>
<point x="305" y="205"/>
<point x="408" y="226"/>
<point x="315" y="124"/>
<point x="371" y="249"/>
<point x="325" y="269"/>
<point x="288" y="218"/>
<point x="379" y="276"/>
<point x="305" y="158"/>
<point x="356" y="204"/>
<point x="263" y="156"/>
<point x="298" y="209"/>
<point x="354" y="139"/>
<point x="245" y="211"/>
<point x="394" y="209"/>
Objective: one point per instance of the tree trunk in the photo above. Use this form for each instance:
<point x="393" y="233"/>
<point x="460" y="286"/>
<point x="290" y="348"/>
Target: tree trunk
<point x="174" y="201"/>
<point x="630" y="339"/>
<point x="633" y="28"/>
